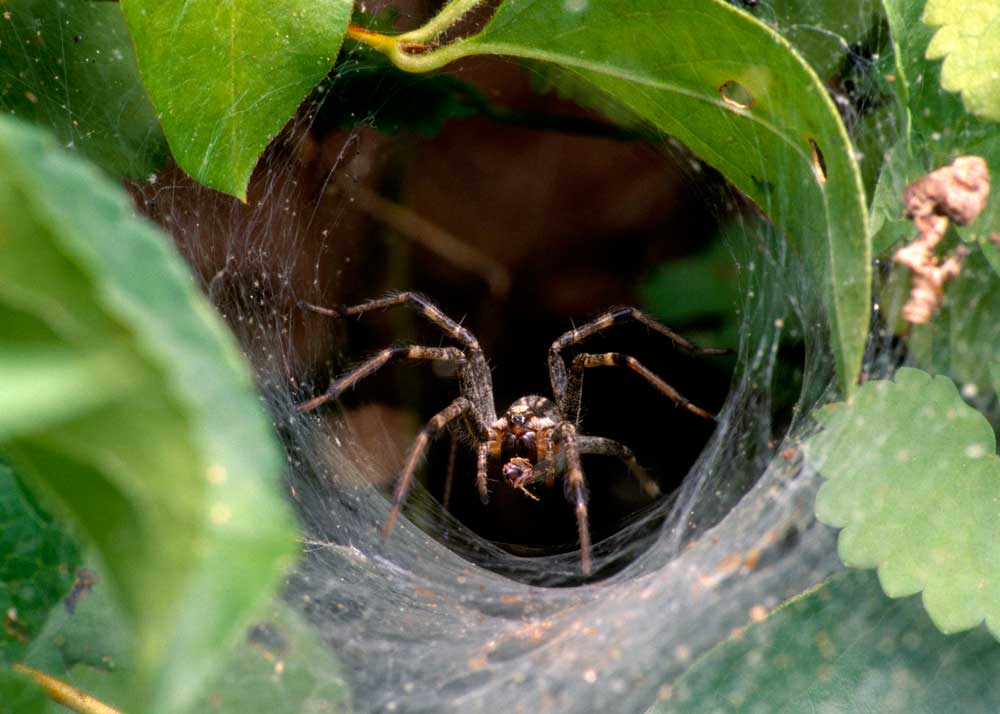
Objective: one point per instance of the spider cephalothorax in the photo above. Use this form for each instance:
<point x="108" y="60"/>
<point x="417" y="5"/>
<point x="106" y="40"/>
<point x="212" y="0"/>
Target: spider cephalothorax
<point x="521" y="439"/>
<point x="536" y="439"/>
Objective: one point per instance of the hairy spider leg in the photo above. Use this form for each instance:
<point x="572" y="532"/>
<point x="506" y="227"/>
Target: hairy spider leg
<point x="615" y="359"/>
<point x="609" y="447"/>
<point x="576" y="489"/>
<point x="615" y="316"/>
<point x="474" y="375"/>
<point x="482" y="458"/>
<point x="452" y="453"/>
<point x="370" y="366"/>
<point x="440" y="420"/>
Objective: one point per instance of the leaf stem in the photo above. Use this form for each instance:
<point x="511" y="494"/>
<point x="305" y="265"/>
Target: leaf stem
<point x="66" y="694"/>
<point x="440" y="23"/>
<point x="417" y="51"/>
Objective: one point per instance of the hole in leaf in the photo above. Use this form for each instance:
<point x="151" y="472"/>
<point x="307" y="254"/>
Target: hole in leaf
<point x="819" y="163"/>
<point x="736" y="95"/>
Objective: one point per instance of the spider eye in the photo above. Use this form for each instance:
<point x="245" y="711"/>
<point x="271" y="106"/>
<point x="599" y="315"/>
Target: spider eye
<point x="526" y="447"/>
<point x="508" y="448"/>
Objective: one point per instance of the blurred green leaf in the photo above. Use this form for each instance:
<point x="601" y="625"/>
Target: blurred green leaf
<point x="94" y="631"/>
<point x="914" y="482"/>
<point x="702" y="290"/>
<point x="280" y="667"/>
<point x="174" y="478"/>
<point x="819" y="30"/>
<point x="19" y="694"/>
<point x="70" y="66"/>
<point x="968" y="39"/>
<point x="888" y="224"/>
<point x="225" y="76"/>
<point x="964" y="336"/>
<point x="843" y="647"/>
<point x="37" y="563"/>
<point x="737" y="95"/>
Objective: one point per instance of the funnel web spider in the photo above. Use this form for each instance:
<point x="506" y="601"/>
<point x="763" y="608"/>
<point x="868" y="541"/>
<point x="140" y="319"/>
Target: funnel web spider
<point x="536" y="439"/>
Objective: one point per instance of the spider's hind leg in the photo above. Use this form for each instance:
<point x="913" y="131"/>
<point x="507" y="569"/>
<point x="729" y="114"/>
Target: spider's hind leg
<point x="609" y="447"/>
<point x="576" y="489"/>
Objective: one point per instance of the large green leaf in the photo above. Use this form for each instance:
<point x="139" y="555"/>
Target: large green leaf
<point x="226" y="75"/>
<point x="174" y="476"/>
<point x="968" y="39"/>
<point x="37" y="563"/>
<point x="69" y="65"/>
<point x="914" y="482"/>
<point x="843" y="648"/>
<point x="736" y="94"/>
<point x="279" y="665"/>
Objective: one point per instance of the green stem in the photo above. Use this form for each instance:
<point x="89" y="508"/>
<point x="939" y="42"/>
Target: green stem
<point x="446" y="18"/>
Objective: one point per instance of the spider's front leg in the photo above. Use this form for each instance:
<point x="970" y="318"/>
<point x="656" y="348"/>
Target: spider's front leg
<point x="410" y="353"/>
<point x="576" y="489"/>
<point x="439" y="421"/>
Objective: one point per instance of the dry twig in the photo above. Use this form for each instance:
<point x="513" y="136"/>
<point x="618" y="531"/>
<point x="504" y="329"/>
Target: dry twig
<point x="958" y="193"/>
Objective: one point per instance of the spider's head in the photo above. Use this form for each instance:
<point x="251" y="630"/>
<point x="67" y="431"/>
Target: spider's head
<point x="520" y="440"/>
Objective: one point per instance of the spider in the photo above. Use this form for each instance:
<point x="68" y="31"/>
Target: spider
<point x="536" y="439"/>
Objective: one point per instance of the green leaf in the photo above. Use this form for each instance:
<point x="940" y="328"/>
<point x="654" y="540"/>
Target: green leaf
<point x="914" y="482"/>
<point x="888" y="224"/>
<point x="173" y="478"/>
<point x="19" y="694"/>
<point x="40" y="386"/>
<point x="70" y="66"/>
<point x="843" y="647"/>
<point x="964" y="336"/>
<point x="37" y="562"/>
<point x="95" y="632"/>
<point x="968" y="39"/>
<point x="226" y="75"/>
<point x="281" y="667"/>
<point x="737" y="95"/>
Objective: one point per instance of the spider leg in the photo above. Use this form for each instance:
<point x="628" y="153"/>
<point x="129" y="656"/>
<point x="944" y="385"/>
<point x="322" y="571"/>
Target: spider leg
<point x="576" y="489"/>
<point x="584" y="361"/>
<point x="609" y="447"/>
<point x="482" y="454"/>
<point x="614" y="316"/>
<point x="477" y="382"/>
<point x="408" y="352"/>
<point x="440" y="420"/>
<point x="452" y="452"/>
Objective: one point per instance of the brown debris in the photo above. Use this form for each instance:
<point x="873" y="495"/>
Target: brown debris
<point x="959" y="193"/>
